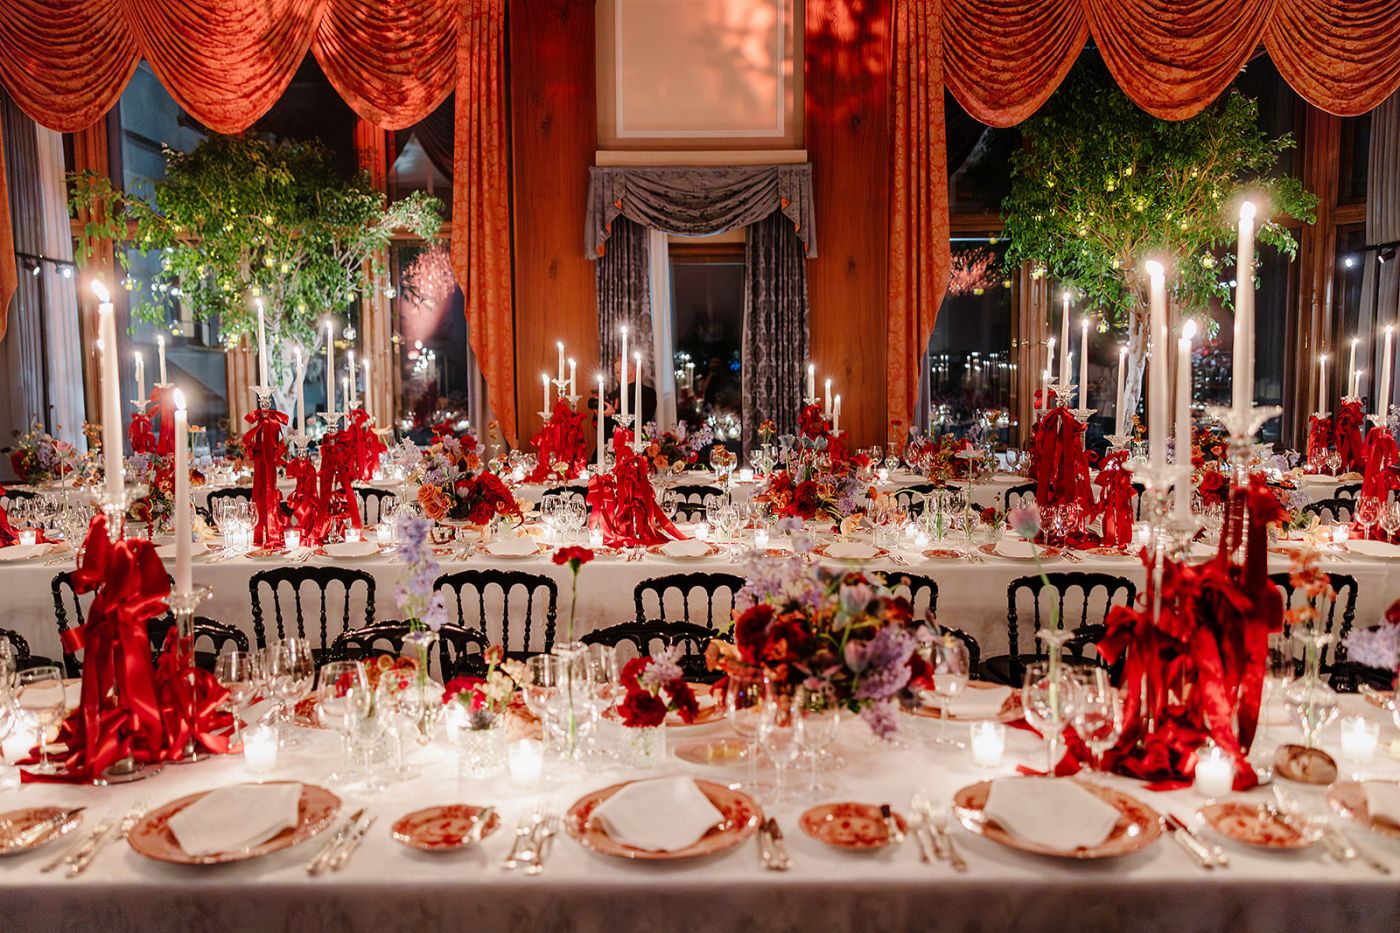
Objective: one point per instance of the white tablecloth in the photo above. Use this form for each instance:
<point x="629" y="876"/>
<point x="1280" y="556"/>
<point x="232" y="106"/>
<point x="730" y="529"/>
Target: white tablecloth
<point x="386" y="886"/>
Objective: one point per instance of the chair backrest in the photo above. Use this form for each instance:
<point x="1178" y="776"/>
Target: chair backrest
<point x="911" y="498"/>
<point x="681" y="587"/>
<point x="1018" y="495"/>
<point x="570" y="492"/>
<point x="1331" y="510"/>
<point x="691" y="500"/>
<point x="18" y="645"/>
<point x="232" y="492"/>
<point x="643" y="638"/>
<point x="1348" y="490"/>
<point x="921" y="591"/>
<point x="459" y="650"/>
<point x="70" y="611"/>
<point x="1344" y="586"/>
<point x="371" y="502"/>
<point x="217" y="635"/>
<point x="1138" y="490"/>
<point x="11" y="496"/>
<point x="504" y="606"/>
<point x="974" y="650"/>
<point x="283" y="588"/>
<point x="1091" y="594"/>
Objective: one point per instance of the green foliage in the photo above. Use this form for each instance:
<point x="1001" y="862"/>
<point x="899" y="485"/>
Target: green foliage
<point x="1101" y="186"/>
<point x="241" y="218"/>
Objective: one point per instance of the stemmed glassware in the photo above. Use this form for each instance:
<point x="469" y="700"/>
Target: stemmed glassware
<point x="1098" y="712"/>
<point x="817" y="719"/>
<point x="544" y="691"/>
<point x="949" y="659"/>
<point x="397" y="709"/>
<point x="289" y="670"/>
<point x="1048" y="699"/>
<point x="237" y="672"/>
<point x="39" y="697"/>
<point x="743" y="702"/>
<point x="777" y="734"/>
<point x="1309" y="699"/>
<point x="343" y="698"/>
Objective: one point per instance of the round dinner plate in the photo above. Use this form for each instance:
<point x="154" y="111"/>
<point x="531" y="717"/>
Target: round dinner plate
<point x="722" y="752"/>
<point x="1259" y="826"/>
<point x="855" y="826"/>
<point x="16" y="822"/>
<point x="741" y="820"/>
<point x="1010" y="711"/>
<point x="1376" y="550"/>
<point x="485" y="551"/>
<point x="1349" y="799"/>
<point x="167" y="551"/>
<point x="877" y="553"/>
<point x="1137" y="828"/>
<point x="1043" y="552"/>
<point x="152" y="837"/>
<point x="443" y="829"/>
<point x="658" y="550"/>
<point x="20" y="552"/>
<point x="349" y="550"/>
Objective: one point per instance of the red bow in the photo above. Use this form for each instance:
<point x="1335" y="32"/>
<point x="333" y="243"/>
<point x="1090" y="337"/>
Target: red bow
<point x="305" y="502"/>
<point x="1059" y="462"/>
<point x="560" y="441"/>
<point x="1346" y="435"/>
<point x="143" y="441"/>
<point x="623" y="505"/>
<point x="1319" y="441"/>
<point x="337" y="482"/>
<point x="263" y="442"/>
<point x="164" y="397"/>
<point x="182" y="690"/>
<point x="119" y="715"/>
<point x="8" y="535"/>
<point x="1381" y="476"/>
<point x="365" y="444"/>
<point x="1115" y="500"/>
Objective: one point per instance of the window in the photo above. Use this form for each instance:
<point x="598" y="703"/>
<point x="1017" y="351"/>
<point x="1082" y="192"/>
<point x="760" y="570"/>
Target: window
<point x="708" y="327"/>
<point x="436" y="371"/>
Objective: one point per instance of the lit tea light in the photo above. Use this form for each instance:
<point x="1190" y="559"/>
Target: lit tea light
<point x="1215" y="772"/>
<point x="746" y="475"/>
<point x="526" y="759"/>
<point x="702" y="531"/>
<point x="883" y="475"/>
<point x="384" y="533"/>
<point x="455" y="720"/>
<point x="1340" y="534"/>
<point x="988" y="743"/>
<point x="18" y="744"/>
<point x="1360" y="738"/>
<point x="920" y="540"/>
<point x="260" y="749"/>
<point x="28" y="537"/>
<point x="760" y="537"/>
<point x="595" y="538"/>
<point x="292" y="538"/>
<point x="352" y="535"/>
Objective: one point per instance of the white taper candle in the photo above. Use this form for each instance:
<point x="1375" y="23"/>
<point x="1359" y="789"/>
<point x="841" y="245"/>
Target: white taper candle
<point x="182" y="503"/>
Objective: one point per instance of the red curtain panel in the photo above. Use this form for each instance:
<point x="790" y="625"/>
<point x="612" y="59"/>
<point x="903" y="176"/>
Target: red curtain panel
<point x="1340" y="55"/>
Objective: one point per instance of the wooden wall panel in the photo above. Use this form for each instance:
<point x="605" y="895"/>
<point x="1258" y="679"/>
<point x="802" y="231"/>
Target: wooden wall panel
<point x="553" y="138"/>
<point x="847" y="71"/>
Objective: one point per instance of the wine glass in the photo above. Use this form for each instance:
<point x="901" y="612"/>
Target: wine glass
<point x="818" y="720"/>
<point x="670" y="502"/>
<point x="777" y="733"/>
<point x="397" y="708"/>
<point x="7" y="670"/>
<point x="1368" y="514"/>
<point x="949" y="660"/>
<point x="542" y="690"/>
<point x="1098" y="713"/>
<point x="1390" y="519"/>
<point x="40" y="698"/>
<point x="1049" y="703"/>
<point x="290" y="672"/>
<point x="743" y="702"/>
<point x="236" y="671"/>
<point x="340" y="692"/>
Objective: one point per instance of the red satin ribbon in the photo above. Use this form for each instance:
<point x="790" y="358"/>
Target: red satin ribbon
<point x="337" y="482"/>
<point x="143" y="441"/>
<point x="181" y="690"/>
<point x="1115" y="504"/>
<point x="1319" y="440"/>
<point x="365" y="445"/>
<point x="1381" y="476"/>
<point x="119" y="714"/>
<point x="1059" y="462"/>
<point x="1346" y="435"/>
<point x="164" y="397"/>
<point x="812" y="423"/>
<point x="8" y="535"/>
<point x="263" y="443"/>
<point x="560" y="441"/>
<point x="622" y="504"/>
<point x="306" y="501"/>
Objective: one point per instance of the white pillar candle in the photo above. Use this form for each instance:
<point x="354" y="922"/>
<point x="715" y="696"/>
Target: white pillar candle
<point x="1383" y="392"/>
<point x="1351" y="369"/>
<point x="1183" y="418"/>
<point x="181" y="502"/>
<point x="292" y="538"/>
<point x="1064" y="340"/>
<point x="826" y="399"/>
<point x="140" y="375"/>
<point x="1321" y="383"/>
<point x="637" y="358"/>
<point x="301" y="393"/>
<point x="28" y="537"/>
<point x="1121" y="416"/>
<point x="345" y="393"/>
<point x="544" y="402"/>
<point x="1215" y="772"/>
<point x="1045" y="390"/>
<point x="1084" y="363"/>
<point x="369" y="397"/>
<point x="811" y="380"/>
<point x="352" y="397"/>
<point x="600" y="425"/>
<point x="836" y="415"/>
<point x="160" y="350"/>
<point x="560" y="377"/>
<point x="330" y="369"/>
<point x="988" y="743"/>
<point x="1157" y="387"/>
<point x="262" y="347"/>
<point x="1242" y="378"/>
<point x="1050" y="360"/>
<point x="690" y="378"/>
<point x="1356" y="380"/>
<point x="111" y="392"/>
<point x="573" y="374"/>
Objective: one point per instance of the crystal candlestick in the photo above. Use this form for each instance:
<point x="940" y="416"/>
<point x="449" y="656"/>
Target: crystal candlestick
<point x="264" y="396"/>
<point x="183" y="606"/>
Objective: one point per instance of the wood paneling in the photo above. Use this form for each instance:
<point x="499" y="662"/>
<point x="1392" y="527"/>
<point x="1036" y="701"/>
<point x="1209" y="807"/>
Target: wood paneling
<point x="553" y="138"/>
<point x="847" y="136"/>
<point x="1316" y="318"/>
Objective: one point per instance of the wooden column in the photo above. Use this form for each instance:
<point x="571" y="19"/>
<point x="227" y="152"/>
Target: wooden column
<point x="554" y="134"/>
<point x="241" y="368"/>
<point x="376" y="308"/>
<point x="1029" y="352"/>
<point x="91" y="152"/>
<point x="1317" y="254"/>
<point x="847" y="104"/>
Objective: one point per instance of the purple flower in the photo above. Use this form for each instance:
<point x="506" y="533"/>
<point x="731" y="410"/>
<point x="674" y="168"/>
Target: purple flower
<point x="663" y="669"/>
<point x="1377" y="647"/>
<point x="882" y="718"/>
<point x="884" y="663"/>
<point x="1025" y="521"/>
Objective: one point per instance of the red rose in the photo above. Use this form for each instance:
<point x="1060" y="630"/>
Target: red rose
<point x="988" y="515"/>
<point x="574" y="556"/>
<point x="683" y="699"/>
<point x="641" y="708"/>
<point x="1213" y="487"/>
<point x="805" y="499"/>
<point x="751" y="632"/>
<point x="632" y="672"/>
<point x="462" y="684"/>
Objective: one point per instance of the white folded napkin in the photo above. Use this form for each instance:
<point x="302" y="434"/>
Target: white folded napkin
<point x="16" y="552"/>
<point x="1055" y="813"/>
<point x="1016" y="548"/>
<point x="685" y="548"/>
<point x="1373" y="548"/>
<point x="851" y="550"/>
<point x="352" y="549"/>
<point x="238" y="817"/>
<point x="661" y="815"/>
<point x="1383" y="800"/>
<point x="512" y="547"/>
<point x="167" y="551"/>
<point x="976" y="702"/>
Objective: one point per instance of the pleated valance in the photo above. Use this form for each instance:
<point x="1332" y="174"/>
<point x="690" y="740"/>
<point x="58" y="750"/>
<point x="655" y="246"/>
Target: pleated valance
<point x="698" y="200"/>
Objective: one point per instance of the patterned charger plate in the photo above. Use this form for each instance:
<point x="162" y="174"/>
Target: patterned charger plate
<point x="152" y="837"/>
<point x="1259" y="826"/>
<point x="656" y="550"/>
<point x="443" y="829"/>
<point x="878" y="553"/>
<point x="1010" y="711"/>
<point x="720" y="753"/>
<point x="943" y="553"/>
<point x="14" y="823"/>
<point x="857" y="826"/>
<point x="1137" y="828"/>
<point x="1043" y="553"/>
<point x="741" y="820"/>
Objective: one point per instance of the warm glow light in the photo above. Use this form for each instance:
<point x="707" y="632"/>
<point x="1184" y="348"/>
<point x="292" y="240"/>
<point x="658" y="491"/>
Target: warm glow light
<point x="1155" y="269"/>
<point x="1247" y="210"/>
<point x="179" y="400"/>
<point x="1188" y="330"/>
<point x="100" y="291"/>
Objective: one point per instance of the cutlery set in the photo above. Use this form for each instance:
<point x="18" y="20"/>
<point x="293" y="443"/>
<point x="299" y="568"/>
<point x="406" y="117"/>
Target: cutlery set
<point x="534" y="840"/>
<point x="931" y="833"/>
<point x="77" y="859"/>
<point x="772" y="850"/>
<point x="343" y="842"/>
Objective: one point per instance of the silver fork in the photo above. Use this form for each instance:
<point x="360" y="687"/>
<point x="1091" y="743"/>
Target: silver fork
<point x="545" y="832"/>
<point x="523" y="831"/>
<point x="940" y="824"/>
<point x="132" y="817"/>
<point x="80" y="848"/>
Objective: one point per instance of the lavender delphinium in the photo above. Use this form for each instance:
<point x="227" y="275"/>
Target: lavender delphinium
<point x="416" y="598"/>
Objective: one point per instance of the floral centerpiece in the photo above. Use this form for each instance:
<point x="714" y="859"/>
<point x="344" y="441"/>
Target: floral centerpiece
<point x="828" y="493"/>
<point x="39" y="457"/>
<point x="453" y="486"/>
<point x="845" y="635"/>
<point x="656" y="686"/>
<point x="671" y="450"/>
<point x="157" y="474"/>
<point x="477" y="708"/>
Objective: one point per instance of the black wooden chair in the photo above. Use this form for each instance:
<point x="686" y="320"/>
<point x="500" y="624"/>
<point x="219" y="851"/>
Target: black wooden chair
<point x="219" y="636"/>
<point x="459" y="650"/>
<point x="913" y="498"/>
<point x="283" y="588"/>
<point x="371" y="502"/>
<point x="489" y="602"/>
<point x="232" y="492"/>
<point x="691" y="500"/>
<point x="1096" y="594"/>
<point x="1331" y="510"/>
<point x="18" y="646"/>
<point x="1348" y="490"/>
<point x="645" y="637"/>
<point x="1344" y="586"/>
<point x="921" y="591"/>
<point x="684" y="585"/>
<point x="567" y="492"/>
<point x="70" y="611"/>
<point x="10" y="496"/>
<point x="1018" y="495"/>
<point x="1138" y="490"/>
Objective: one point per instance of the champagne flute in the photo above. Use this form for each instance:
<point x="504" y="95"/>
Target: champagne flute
<point x="777" y="733"/>
<point x="743" y="702"/>
<point x="40" y="698"/>
<point x="236" y="671"/>
<point x="818" y="720"/>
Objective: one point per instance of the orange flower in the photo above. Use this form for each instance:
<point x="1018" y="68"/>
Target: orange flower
<point x="434" y="502"/>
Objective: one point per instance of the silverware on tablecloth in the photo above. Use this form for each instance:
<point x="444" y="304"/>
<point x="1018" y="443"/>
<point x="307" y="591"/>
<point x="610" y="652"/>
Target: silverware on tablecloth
<point x="923" y="837"/>
<point x="1213" y="853"/>
<point x="1172" y="826"/>
<point x="929" y="846"/>
<point x="524" y="830"/>
<point x="80" y="847"/>
<point x="780" y="860"/>
<point x="544" y="835"/>
<point x="940" y="825"/>
<point x="1343" y="850"/>
<point x="765" y="846"/>
<point x="80" y="863"/>
<point x="357" y="836"/>
<point x="317" y="864"/>
<point x="31" y="834"/>
<point x="891" y="825"/>
<point x="483" y="817"/>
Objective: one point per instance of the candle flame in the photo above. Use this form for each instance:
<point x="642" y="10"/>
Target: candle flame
<point x="1322" y="357"/>
<point x="1247" y="210"/>
<point x="100" y="291"/>
<point x="160" y="339"/>
<point x="1155" y="269"/>
<point x="1188" y="330"/>
<point x="179" y="400"/>
<point x="1122" y="349"/>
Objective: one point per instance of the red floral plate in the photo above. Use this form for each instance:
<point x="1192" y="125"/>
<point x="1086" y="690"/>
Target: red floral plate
<point x="857" y="826"/>
<point x="15" y="822"/>
<point x="443" y="829"/>
<point x="1259" y="826"/>
<point x="1043" y="552"/>
<point x="1116" y="553"/>
<point x="152" y="836"/>
<point x="1349" y="799"/>
<point x="1137" y="828"/>
<point x="879" y="554"/>
<point x="720" y="752"/>
<point x="943" y="553"/>
<point x="741" y="820"/>
<point x="1010" y="711"/>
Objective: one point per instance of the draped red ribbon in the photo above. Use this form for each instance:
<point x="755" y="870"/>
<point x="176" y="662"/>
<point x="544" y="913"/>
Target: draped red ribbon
<point x="263" y="443"/>
<point x="365" y="444"/>
<point x="164" y="397"/>
<point x="1115" y="504"/>
<point x="1319" y="441"/>
<point x="1346" y="436"/>
<point x="623" y="505"/>
<point x="119" y="714"/>
<point x="1382" y="475"/>
<point x="337" y="483"/>
<point x="143" y="441"/>
<point x="812" y="423"/>
<point x="1059" y="462"/>
<point x="560" y="441"/>
<point x="184" y="690"/>
<point x="306" y="501"/>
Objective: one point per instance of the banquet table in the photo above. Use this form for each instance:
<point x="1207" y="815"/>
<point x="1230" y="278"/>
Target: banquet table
<point x="387" y="886"/>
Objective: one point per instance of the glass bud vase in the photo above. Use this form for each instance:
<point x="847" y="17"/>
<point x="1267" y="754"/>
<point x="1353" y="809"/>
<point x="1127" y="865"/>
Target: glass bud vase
<point x="422" y="698"/>
<point x="644" y="746"/>
<point x="483" y="750"/>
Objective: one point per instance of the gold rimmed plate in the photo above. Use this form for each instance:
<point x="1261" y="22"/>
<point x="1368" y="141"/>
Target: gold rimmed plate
<point x="17" y="835"/>
<point x="856" y="827"/>
<point x="1011" y="709"/>
<point x="1137" y="828"/>
<point x="741" y="819"/>
<point x="444" y="829"/>
<point x="1348" y="798"/>
<point x="1259" y="825"/>
<point x="153" y="838"/>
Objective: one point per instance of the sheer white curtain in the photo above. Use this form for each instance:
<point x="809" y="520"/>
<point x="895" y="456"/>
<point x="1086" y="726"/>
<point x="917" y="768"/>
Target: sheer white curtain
<point x="65" y="343"/>
<point x="663" y="345"/>
<point x="1381" y="306"/>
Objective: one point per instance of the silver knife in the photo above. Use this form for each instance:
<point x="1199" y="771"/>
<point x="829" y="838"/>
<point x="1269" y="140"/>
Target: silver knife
<point x="781" y="860"/>
<point x="940" y="824"/>
<point x="81" y="848"/>
<point x="81" y="863"/>
<point x="1349" y="852"/>
<point x="1190" y="846"/>
<point x="351" y="844"/>
<point x="892" y="827"/>
<point x="318" y="861"/>
<point x="765" y="847"/>
<point x="923" y="835"/>
<point x="1213" y="853"/>
<point x="479" y="827"/>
